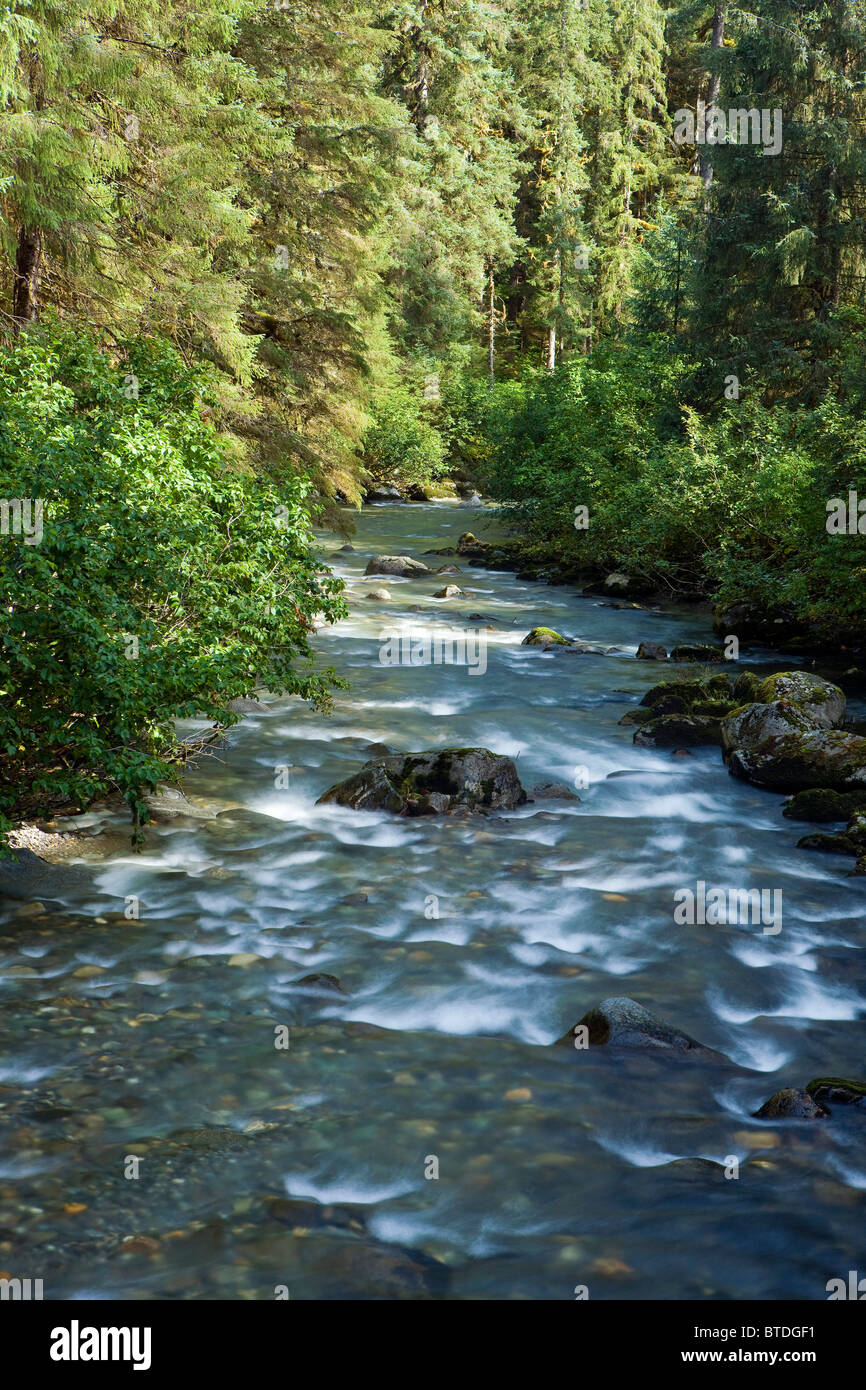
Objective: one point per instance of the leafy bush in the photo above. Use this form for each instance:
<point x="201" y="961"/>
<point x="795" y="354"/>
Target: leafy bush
<point x="731" y="503"/>
<point x="153" y="543"/>
<point x="401" y="447"/>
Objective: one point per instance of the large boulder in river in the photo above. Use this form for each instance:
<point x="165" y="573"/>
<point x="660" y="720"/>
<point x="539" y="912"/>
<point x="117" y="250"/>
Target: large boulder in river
<point x="438" y="782"/>
<point x="621" y="1022"/>
<point x="401" y="565"/>
<point x="751" y="725"/>
<point x="383" y="492"/>
<point x="823" y="758"/>
<point x="823" y="702"/>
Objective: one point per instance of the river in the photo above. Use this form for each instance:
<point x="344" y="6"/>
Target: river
<point x="182" y="1120"/>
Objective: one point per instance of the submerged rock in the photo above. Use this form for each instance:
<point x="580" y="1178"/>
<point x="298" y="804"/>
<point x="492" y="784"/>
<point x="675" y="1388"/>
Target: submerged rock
<point x="621" y="1022"/>
<point x="553" y="791"/>
<point x="438" y="782"/>
<point x="401" y="565"/>
<point x="357" y="1268"/>
<point x="328" y="984"/>
<point x="791" y="1104"/>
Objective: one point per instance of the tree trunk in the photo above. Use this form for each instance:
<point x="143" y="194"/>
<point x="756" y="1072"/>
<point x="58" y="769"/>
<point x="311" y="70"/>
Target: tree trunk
<point x="28" y="265"/>
<point x="491" y="324"/>
<point x="713" y="85"/>
<point x="551" y="347"/>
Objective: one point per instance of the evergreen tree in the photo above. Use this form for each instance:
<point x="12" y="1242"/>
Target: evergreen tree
<point x="782" y="248"/>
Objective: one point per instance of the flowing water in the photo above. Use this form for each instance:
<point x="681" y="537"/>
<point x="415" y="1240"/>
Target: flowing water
<point x="464" y="947"/>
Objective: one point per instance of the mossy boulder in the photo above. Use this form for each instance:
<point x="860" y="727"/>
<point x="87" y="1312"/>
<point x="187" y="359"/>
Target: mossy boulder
<point x="471" y="546"/>
<point x="682" y="693"/>
<point x="850" y="841"/>
<point x="837" y="1090"/>
<point x="437" y="782"/>
<point x="686" y="712"/>
<point x="697" y="651"/>
<point x="823" y="805"/>
<point x="545" y="637"/>
<point x="823" y="758"/>
<point x="676" y="730"/>
<point x="751" y="725"/>
<point x="823" y="702"/>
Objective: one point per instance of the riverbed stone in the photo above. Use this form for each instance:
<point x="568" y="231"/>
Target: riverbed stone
<point x="545" y="637"/>
<point x="837" y="1090"/>
<point x="471" y="546"/>
<point x="823" y="805"/>
<point x="622" y="1022"/>
<point x="401" y="565"/>
<point x="328" y="984"/>
<point x="381" y="595"/>
<point x="652" y="651"/>
<point x="697" y="651"/>
<point x="791" y="1104"/>
<point x="676" y="730"/>
<point x="450" y="591"/>
<point x="553" y="791"/>
<point x="383" y="492"/>
<point x="436" y="782"/>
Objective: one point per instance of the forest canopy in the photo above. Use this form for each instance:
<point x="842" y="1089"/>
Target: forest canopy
<point x="588" y="253"/>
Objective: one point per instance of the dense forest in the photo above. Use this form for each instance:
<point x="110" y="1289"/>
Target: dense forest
<point x="605" y="259"/>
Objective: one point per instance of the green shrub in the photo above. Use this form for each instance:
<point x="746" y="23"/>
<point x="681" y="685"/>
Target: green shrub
<point x="401" y="447"/>
<point x="152" y="541"/>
